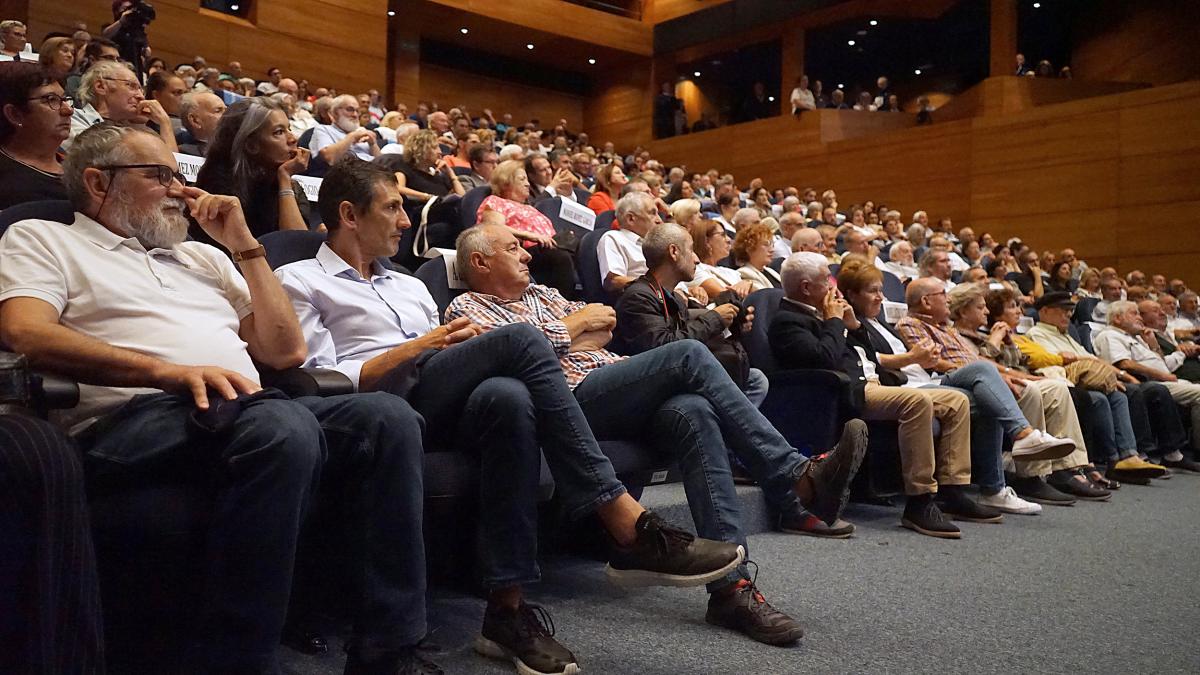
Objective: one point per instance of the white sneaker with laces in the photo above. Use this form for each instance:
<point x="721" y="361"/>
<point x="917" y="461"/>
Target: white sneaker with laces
<point x="1041" y="445"/>
<point x="1007" y="501"/>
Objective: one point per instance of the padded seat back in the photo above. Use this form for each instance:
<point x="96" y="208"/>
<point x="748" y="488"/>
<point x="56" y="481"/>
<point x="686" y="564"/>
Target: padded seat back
<point x="58" y="210"/>
<point x="604" y="220"/>
<point x="1084" y="309"/>
<point x="433" y="275"/>
<point x="893" y="288"/>
<point x="567" y="235"/>
<point x="765" y="304"/>
<point x="470" y="204"/>
<point x="289" y="246"/>
<point x="589" y="268"/>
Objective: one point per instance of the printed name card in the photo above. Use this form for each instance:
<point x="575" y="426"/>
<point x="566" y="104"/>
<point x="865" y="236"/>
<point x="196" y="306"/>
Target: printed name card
<point x="894" y="311"/>
<point x="577" y="214"/>
<point x="450" y="258"/>
<point x="311" y="186"/>
<point x="189" y="165"/>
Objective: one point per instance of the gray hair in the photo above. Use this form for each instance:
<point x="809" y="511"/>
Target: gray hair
<point x="657" y="243"/>
<point x="99" y="145"/>
<point x="800" y="267"/>
<point x="1118" y="308"/>
<point x="790" y="203"/>
<point x="511" y="151"/>
<point x="86" y="93"/>
<point x="962" y="296"/>
<point x="343" y="97"/>
<point x="684" y="209"/>
<point x="405" y="130"/>
<point x="917" y="215"/>
<point x="926" y="263"/>
<point x="471" y="240"/>
<point x="10" y="24"/>
<point x="803" y="236"/>
<point x="633" y="202"/>
<point x="1187" y="295"/>
<point x="743" y="215"/>
<point x="915" y="231"/>
<point x="187" y="105"/>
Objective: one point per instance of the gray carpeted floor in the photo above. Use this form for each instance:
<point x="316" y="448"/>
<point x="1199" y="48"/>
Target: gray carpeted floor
<point x="1098" y="587"/>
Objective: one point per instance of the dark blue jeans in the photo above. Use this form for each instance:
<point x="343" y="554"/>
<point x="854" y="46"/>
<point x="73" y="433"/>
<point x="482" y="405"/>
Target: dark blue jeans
<point x="502" y="395"/>
<point x="266" y="471"/>
<point x="680" y="397"/>
<point x="994" y="415"/>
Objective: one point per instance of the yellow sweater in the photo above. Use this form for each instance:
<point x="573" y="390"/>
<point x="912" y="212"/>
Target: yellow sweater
<point x="1039" y="356"/>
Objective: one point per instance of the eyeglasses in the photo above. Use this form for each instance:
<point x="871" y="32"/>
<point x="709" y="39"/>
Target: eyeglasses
<point x="165" y="174"/>
<point x="54" y="101"/>
<point x="132" y="84"/>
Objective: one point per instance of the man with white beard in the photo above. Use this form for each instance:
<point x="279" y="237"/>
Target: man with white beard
<point x="159" y="331"/>
<point x="331" y="142"/>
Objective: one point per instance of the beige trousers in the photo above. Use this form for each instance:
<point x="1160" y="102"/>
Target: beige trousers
<point x="1047" y="405"/>
<point x="924" y="463"/>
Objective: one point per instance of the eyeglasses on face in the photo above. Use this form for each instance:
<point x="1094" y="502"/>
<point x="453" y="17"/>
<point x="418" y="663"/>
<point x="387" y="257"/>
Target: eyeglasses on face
<point x="164" y="173"/>
<point x="54" y="101"/>
<point x="131" y="84"/>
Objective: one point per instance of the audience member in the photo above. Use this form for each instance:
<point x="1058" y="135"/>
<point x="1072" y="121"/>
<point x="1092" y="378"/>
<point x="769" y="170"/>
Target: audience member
<point x="483" y="161"/>
<point x="900" y="261"/>
<point x="344" y="135"/>
<point x="253" y="156"/>
<point x="609" y="181"/>
<point x="200" y="114"/>
<point x="802" y="98"/>
<point x="650" y="315"/>
<point x="57" y="57"/>
<point x="707" y="417"/>
<point x="510" y="197"/>
<point x="13" y="41"/>
<point x="168" y="89"/>
<point x="752" y="252"/>
<point x="59" y="292"/>
<point x="422" y="172"/>
<point x="35" y="119"/>
<point x="935" y="265"/>
<point x="816" y="329"/>
<point x="619" y="251"/>
<point x="110" y="92"/>
<point x="1167" y="344"/>
<point x="712" y="245"/>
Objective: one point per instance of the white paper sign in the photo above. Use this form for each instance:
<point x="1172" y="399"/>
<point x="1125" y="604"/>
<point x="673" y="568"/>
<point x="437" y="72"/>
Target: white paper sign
<point x="189" y="165"/>
<point x="311" y="186"/>
<point x="450" y="258"/>
<point x="577" y="214"/>
<point x="894" y="311"/>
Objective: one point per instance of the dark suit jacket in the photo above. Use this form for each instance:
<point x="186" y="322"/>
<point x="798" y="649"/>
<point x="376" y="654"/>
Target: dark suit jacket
<point x="801" y="340"/>
<point x="642" y="324"/>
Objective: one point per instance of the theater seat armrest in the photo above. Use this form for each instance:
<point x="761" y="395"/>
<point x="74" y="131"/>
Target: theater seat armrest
<point x="53" y="392"/>
<point x="296" y="382"/>
<point x="810" y="378"/>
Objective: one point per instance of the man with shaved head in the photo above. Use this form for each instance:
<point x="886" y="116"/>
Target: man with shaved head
<point x="808" y="239"/>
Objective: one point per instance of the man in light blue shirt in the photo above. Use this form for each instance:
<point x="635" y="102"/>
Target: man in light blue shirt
<point x="501" y="395"/>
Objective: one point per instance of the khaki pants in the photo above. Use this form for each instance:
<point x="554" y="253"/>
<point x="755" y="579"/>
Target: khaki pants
<point x="1048" y="406"/>
<point x="1187" y="394"/>
<point x="923" y="463"/>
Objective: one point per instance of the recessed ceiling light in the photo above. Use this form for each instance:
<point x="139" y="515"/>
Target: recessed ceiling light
<point x="850" y="42"/>
<point x="771" y="99"/>
<point x="592" y="62"/>
<point x="841" y="86"/>
<point x="529" y="46"/>
<point x="464" y="31"/>
<point x="874" y="22"/>
<point x="1037" y="5"/>
<point x="696" y="74"/>
<point x="233" y="7"/>
<point x="917" y="71"/>
<point x="391" y="12"/>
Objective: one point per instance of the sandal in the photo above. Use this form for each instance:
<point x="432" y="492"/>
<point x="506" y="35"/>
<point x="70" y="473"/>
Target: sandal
<point x="1097" y="478"/>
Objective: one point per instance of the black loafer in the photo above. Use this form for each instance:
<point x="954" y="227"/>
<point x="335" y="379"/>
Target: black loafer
<point x="1064" y="480"/>
<point x="1035" y="489"/>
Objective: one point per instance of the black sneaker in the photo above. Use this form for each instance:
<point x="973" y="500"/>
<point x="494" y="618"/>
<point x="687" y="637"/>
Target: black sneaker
<point x="956" y="503"/>
<point x="922" y="515"/>
<point x="1036" y="489"/>
<point x="802" y="522"/>
<point x="830" y="474"/>
<point x="747" y="611"/>
<point x="664" y="555"/>
<point x="524" y="636"/>
<point x="1064" y="480"/>
<point x="1186" y="465"/>
<point x="408" y="661"/>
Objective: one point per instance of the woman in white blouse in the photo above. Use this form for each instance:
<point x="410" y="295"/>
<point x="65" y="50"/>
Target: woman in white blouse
<point x="802" y="98"/>
<point x="712" y="245"/>
<point x="752" y="250"/>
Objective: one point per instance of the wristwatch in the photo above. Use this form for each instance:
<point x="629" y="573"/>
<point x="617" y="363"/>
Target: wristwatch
<point x="250" y="254"/>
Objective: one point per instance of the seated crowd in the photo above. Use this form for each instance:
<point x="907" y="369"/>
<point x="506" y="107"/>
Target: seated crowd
<point x="1050" y="381"/>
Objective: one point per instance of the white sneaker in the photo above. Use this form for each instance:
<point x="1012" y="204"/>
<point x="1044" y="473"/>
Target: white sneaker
<point x="1041" y="445"/>
<point x="1007" y="501"/>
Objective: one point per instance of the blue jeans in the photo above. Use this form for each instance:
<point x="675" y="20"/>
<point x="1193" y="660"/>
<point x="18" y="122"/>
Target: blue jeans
<point x="266" y="472"/>
<point x="1111" y="426"/>
<point x="994" y="415"/>
<point x="501" y="395"/>
<point x="680" y="397"/>
<point x="1156" y="419"/>
<point x="757" y="387"/>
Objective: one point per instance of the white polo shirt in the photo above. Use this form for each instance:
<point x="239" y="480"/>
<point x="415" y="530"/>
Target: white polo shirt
<point x="1113" y="344"/>
<point x="328" y="134"/>
<point x="620" y="252"/>
<point x="183" y="305"/>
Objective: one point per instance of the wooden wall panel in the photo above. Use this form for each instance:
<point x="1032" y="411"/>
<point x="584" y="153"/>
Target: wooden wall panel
<point x="451" y="87"/>
<point x="1151" y="41"/>
<point x="658" y="11"/>
<point x="566" y="19"/>
<point x="346" y="48"/>
<point x="617" y="109"/>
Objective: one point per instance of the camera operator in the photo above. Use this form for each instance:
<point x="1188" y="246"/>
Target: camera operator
<point x="128" y="30"/>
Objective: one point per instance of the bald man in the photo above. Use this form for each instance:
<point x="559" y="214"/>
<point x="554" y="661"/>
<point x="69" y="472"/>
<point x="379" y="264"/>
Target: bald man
<point x="808" y="239"/>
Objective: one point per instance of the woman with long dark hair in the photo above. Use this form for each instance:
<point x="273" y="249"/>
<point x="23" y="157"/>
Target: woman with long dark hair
<point x="253" y="157"/>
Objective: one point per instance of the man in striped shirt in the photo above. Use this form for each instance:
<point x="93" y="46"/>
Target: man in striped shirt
<point x="677" y="396"/>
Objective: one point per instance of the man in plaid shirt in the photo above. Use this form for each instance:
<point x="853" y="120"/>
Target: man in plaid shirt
<point x="677" y="396"/>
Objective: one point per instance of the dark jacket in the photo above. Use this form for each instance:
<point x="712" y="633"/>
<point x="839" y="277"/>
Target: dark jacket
<point x="800" y="340"/>
<point x="642" y="324"/>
